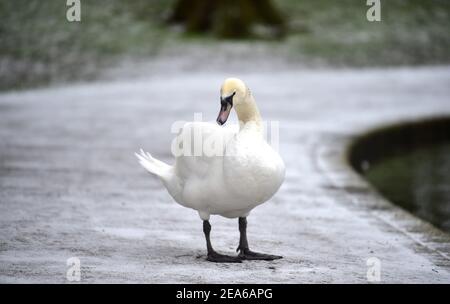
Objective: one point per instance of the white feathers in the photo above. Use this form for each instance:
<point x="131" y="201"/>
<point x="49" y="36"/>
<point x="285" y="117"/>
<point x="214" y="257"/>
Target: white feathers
<point x="151" y="164"/>
<point x="245" y="173"/>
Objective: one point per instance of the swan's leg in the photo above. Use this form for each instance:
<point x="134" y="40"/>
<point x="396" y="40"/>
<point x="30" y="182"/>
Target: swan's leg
<point x="244" y="252"/>
<point x="213" y="256"/>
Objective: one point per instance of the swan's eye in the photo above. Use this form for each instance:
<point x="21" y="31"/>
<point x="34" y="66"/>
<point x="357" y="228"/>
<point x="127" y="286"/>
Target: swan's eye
<point x="227" y="100"/>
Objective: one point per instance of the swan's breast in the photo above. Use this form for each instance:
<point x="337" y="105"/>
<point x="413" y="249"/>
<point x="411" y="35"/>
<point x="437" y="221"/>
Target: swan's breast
<point x="253" y="170"/>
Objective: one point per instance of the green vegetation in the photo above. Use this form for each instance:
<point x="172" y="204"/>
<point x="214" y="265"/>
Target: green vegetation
<point x="229" y="18"/>
<point x="410" y="32"/>
<point x="38" y="45"/>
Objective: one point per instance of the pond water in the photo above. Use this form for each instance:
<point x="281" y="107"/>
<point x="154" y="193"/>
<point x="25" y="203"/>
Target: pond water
<point x="417" y="180"/>
<point x="409" y="164"/>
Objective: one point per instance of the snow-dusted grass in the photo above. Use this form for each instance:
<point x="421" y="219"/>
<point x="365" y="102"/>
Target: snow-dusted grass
<point x="38" y="45"/>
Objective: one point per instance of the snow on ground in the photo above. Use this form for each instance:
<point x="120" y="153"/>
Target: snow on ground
<point x="70" y="185"/>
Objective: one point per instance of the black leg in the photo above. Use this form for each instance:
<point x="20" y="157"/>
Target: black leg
<point x="244" y="252"/>
<point x="213" y="256"/>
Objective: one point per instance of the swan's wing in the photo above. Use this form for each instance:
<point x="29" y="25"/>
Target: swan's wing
<point x="199" y="148"/>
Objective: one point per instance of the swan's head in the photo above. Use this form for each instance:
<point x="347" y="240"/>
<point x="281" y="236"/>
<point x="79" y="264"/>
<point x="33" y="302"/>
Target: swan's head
<point x="232" y="93"/>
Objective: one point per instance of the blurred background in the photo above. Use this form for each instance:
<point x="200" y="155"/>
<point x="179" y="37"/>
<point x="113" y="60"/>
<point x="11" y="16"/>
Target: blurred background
<point x="39" y="46"/>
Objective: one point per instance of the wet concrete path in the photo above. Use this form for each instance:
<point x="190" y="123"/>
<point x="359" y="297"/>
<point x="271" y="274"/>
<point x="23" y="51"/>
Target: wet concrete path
<point x="70" y="185"/>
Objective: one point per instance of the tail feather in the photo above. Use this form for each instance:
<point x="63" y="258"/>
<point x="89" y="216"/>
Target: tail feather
<point x="153" y="165"/>
<point x="165" y="172"/>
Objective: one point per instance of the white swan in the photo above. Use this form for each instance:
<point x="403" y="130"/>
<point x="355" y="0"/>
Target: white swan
<point x="242" y="173"/>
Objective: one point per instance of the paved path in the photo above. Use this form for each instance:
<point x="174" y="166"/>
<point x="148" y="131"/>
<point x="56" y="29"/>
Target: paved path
<point x="71" y="187"/>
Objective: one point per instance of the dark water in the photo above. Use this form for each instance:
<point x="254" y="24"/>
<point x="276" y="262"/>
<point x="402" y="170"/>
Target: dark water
<point x="418" y="181"/>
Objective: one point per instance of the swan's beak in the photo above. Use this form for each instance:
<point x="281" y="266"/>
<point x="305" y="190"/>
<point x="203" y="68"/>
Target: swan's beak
<point x="225" y="110"/>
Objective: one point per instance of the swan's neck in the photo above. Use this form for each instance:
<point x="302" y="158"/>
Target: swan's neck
<point x="248" y="115"/>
